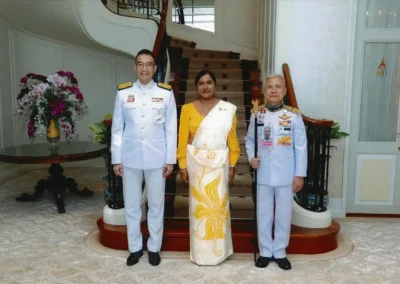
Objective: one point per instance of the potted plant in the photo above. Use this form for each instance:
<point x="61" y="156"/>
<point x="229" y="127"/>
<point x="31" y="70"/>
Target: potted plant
<point x="336" y="133"/>
<point x="102" y="133"/>
<point x="49" y="103"/>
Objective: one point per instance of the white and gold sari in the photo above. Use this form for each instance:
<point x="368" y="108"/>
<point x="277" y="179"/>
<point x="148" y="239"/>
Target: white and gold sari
<point x="208" y="168"/>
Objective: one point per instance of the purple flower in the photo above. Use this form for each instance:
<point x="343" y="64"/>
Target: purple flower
<point x="31" y="129"/>
<point x="56" y="108"/>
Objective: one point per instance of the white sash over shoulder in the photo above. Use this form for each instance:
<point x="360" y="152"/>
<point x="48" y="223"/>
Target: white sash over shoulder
<point x="208" y="169"/>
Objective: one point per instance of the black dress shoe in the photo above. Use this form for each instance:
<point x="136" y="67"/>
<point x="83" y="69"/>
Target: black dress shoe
<point x="134" y="258"/>
<point x="263" y="261"/>
<point x="283" y="263"/>
<point x="154" y="258"/>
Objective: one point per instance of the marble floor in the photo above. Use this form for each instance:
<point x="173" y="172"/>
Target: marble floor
<point x="38" y="245"/>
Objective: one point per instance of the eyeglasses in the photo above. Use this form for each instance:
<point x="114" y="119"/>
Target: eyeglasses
<point x="141" y="65"/>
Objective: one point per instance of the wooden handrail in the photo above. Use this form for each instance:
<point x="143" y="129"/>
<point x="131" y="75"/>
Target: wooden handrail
<point x="161" y="28"/>
<point x="289" y="86"/>
<point x="291" y="95"/>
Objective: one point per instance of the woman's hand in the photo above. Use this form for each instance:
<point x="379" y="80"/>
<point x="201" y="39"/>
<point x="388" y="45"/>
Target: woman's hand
<point x="231" y="173"/>
<point x="185" y="176"/>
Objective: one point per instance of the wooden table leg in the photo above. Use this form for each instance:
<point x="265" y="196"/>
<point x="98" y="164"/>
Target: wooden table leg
<point x="56" y="183"/>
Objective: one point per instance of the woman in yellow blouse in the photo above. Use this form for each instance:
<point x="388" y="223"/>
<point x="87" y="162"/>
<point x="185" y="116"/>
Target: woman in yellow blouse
<point x="208" y="151"/>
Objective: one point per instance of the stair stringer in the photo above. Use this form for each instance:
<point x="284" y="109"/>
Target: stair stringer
<point x="125" y="34"/>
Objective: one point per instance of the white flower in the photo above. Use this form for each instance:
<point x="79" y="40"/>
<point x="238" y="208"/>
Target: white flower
<point x="57" y="80"/>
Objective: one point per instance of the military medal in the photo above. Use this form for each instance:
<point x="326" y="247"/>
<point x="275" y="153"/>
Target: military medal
<point x="131" y="98"/>
<point x="157" y="100"/>
<point x="284" y="116"/>
<point x="261" y="115"/>
<point x="285" y="129"/>
<point x="285" y="123"/>
<point x="285" y="140"/>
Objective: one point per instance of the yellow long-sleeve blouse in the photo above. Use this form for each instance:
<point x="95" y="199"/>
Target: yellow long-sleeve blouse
<point x="189" y="122"/>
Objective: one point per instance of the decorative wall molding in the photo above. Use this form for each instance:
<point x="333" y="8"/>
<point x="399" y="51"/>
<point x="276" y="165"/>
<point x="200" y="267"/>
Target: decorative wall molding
<point x="370" y="157"/>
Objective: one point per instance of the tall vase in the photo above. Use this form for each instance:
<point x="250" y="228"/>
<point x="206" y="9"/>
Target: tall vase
<point x="53" y="133"/>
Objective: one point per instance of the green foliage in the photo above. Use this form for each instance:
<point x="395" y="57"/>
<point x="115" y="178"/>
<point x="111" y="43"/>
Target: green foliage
<point x="99" y="129"/>
<point x="336" y="133"/>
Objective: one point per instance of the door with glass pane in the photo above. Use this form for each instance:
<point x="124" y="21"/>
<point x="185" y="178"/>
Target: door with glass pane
<point x="374" y="159"/>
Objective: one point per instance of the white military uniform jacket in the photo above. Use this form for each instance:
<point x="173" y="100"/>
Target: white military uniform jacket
<point x="144" y="128"/>
<point x="283" y="153"/>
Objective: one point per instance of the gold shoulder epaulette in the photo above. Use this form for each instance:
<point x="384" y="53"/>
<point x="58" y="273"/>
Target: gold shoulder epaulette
<point x="124" y="86"/>
<point x="292" y="109"/>
<point x="164" y="86"/>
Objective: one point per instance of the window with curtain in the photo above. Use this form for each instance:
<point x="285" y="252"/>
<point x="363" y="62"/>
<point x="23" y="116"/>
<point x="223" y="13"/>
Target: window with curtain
<point x="383" y="14"/>
<point x="380" y="93"/>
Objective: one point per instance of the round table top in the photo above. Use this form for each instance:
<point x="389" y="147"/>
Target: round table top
<point x="40" y="153"/>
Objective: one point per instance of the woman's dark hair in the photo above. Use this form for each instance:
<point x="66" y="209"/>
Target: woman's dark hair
<point x="202" y="73"/>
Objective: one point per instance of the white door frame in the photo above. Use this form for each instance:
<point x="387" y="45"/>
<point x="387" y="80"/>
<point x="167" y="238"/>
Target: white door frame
<point x="347" y="126"/>
<point x="353" y="112"/>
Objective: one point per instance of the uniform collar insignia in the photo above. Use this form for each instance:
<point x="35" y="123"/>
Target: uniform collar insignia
<point x="274" y="108"/>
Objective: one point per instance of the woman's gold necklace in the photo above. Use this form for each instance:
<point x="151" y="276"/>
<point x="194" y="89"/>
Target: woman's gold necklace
<point x="208" y="107"/>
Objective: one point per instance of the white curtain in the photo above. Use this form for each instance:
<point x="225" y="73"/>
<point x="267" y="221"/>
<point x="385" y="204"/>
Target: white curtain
<point x="383" y="14"/>
<point x="380" y="94"/>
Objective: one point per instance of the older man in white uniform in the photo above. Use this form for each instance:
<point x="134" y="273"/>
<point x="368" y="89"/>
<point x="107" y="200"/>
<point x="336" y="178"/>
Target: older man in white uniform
<point x="144" y="134"/>
<point x="282" y="165"/>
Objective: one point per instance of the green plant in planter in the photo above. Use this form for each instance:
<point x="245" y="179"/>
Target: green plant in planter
<point x="99" y="129"/>
<point x="336" y="133"/>
<point x="103" y="136"/>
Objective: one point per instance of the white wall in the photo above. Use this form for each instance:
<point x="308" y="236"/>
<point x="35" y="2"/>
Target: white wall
<point x="98" y="74"/>
<point x="236" y="28"/>
<point x="316" y="39"/>
<point x="6" y="112"/>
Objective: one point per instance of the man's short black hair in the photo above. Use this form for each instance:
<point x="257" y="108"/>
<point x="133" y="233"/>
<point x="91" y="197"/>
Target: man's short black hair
<point x="146" y="52"/>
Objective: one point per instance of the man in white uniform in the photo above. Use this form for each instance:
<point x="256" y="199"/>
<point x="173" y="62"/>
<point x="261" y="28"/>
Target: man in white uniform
<point x="282" y="165"/>
<point x="143" y="145"/>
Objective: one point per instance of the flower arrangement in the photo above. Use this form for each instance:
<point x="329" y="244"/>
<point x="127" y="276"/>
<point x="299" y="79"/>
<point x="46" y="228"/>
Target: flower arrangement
<point x="57" y="97"/>
<point x="101" y="133"/>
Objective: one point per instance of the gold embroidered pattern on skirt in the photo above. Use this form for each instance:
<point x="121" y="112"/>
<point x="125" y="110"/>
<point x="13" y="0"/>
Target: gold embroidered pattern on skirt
<point x="213" y="210"/>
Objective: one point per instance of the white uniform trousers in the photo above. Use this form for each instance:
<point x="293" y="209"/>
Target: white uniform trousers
<point x="283" y="197"/>
<point x="132" y="184"/>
